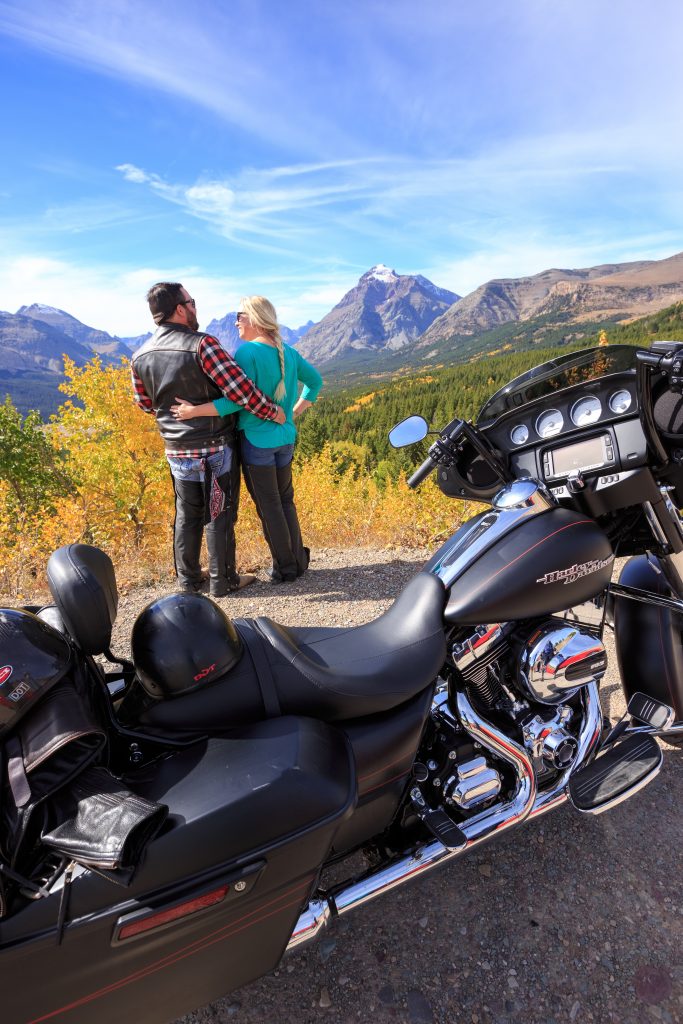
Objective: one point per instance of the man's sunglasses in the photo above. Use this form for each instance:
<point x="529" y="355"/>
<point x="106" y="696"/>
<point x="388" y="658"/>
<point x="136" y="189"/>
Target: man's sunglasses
<point x="187" y="302"/>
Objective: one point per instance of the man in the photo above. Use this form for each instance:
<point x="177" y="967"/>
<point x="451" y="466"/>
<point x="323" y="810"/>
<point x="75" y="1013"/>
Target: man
<point x="179" y="360"/>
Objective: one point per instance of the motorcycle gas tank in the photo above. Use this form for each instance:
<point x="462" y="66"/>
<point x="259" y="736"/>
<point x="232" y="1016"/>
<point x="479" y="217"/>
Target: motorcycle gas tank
<point x="522" y="562"/>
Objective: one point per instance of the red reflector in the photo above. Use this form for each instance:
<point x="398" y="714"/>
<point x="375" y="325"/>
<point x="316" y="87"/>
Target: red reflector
<point x="146" y="924"/>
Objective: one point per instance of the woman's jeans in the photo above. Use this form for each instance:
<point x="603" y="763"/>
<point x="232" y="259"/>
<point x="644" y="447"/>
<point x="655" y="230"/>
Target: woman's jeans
<point x="268" y="476"/>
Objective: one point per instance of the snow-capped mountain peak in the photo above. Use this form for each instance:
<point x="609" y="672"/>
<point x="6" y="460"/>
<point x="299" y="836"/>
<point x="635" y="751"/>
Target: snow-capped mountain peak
<point x="382" y="273"/>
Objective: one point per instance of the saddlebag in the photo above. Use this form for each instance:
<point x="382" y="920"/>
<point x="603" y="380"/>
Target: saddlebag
<point x="252" y="817"/>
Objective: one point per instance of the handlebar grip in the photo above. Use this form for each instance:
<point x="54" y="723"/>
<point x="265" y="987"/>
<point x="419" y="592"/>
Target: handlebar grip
<point x="423" y="471"/>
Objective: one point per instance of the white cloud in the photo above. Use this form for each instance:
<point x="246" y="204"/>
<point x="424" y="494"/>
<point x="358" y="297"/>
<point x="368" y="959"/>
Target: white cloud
<point x="112" y="298"/>
<point x="133" y="173"/>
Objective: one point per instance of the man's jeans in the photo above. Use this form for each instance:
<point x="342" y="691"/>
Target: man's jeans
<point x="190" y="505"/>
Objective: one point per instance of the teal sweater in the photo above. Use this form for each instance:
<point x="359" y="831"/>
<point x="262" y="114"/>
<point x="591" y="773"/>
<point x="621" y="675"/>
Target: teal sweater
<point x="261" y="364"/>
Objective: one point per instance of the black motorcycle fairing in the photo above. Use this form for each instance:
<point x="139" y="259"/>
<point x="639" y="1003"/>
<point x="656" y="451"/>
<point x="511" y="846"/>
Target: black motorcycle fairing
<point x="332" y="674"/>
<point x="251" y="819"/>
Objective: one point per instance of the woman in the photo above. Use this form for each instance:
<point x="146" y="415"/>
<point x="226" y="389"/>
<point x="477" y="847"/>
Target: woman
<point x="267" y="448"/>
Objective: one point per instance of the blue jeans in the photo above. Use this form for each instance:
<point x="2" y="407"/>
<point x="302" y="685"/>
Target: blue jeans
<point x="191" y="469"/>
<point x="253" y="456"/>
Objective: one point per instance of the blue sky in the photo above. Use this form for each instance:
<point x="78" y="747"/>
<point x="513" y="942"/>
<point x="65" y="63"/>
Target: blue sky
<point x="256" y="146"/>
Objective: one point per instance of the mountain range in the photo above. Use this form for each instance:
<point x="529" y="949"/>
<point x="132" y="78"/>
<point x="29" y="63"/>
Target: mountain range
<point x="226" y="332"/>
<point x="386" y="323"/>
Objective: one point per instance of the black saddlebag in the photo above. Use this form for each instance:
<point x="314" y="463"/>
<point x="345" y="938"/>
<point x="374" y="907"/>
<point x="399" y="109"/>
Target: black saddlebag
<point x="252" y="816"/>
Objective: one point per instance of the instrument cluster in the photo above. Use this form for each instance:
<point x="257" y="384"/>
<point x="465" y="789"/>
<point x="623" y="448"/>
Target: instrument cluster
<point x="574" y="411"/>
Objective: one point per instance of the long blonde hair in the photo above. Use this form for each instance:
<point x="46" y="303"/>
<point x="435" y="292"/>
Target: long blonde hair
<point x="261" y="312"/>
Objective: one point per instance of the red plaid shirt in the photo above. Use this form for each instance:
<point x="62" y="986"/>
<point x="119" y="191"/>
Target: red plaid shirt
<point x="228" y="377"/>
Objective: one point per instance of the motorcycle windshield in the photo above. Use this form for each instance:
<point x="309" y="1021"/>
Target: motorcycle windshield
<point x="555" y="375"/>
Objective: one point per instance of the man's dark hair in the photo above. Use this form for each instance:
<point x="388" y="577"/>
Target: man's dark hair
<point x="163" y="299"/>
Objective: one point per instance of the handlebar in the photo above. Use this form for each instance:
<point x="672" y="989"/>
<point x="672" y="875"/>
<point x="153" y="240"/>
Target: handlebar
<point x="422" y="472"/>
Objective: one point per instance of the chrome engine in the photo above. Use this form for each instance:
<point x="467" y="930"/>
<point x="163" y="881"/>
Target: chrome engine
<point x="531" y="681"/>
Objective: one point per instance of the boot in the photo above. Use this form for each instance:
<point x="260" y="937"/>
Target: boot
<point x="262" y="483"/>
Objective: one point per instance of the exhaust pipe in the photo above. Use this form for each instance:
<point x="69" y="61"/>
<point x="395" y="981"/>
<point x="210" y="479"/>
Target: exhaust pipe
<point x="526" y="803"/>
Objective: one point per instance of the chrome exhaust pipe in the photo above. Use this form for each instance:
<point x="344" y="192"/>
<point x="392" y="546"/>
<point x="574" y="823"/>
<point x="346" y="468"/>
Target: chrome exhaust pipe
<point x="493" y="820"/>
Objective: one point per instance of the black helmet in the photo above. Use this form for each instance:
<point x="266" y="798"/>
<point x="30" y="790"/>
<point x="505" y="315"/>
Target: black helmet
<point x="181" y="642"/>
<point x="33" y="657"/>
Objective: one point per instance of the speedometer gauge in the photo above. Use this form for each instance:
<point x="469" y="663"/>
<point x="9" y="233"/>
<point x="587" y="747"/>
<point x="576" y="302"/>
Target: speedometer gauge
<point x="549" y="423"/>
<point x="620" y="401"/>
<point x="586" y="410"/>
<point x="519" y="434"/>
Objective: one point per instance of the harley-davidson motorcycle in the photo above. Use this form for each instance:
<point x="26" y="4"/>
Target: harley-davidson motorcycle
<point x="166" y="821"/>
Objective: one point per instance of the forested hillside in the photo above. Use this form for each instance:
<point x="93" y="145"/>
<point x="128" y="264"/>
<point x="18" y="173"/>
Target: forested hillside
<point x="355" y="422"/>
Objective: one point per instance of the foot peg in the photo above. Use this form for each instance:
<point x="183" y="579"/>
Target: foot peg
<point x="439" y="824"/>
<point x="443" y="829"/>
<point x="651" y="712"/>
<point x="616" y="775"/>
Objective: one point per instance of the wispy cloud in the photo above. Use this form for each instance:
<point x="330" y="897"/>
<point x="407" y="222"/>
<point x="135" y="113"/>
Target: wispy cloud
<point x="530" y="185"/>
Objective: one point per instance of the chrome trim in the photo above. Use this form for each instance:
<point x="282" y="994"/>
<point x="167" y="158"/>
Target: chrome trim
<point x="527" y="493"/>
<point x="476" y="647"/>
<point x="669" y="730"/>
<point x="474" y="783"/>
<point x="534" y="499"/>
<point x="672" y="510"/>
<point x="314" y="919"/>
<point x="646" y="597"/>
<point x="655" y="525"/>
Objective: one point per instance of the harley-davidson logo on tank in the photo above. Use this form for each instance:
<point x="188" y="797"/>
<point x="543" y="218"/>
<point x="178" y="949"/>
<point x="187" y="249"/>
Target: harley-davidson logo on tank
<point x="576" y="571"/>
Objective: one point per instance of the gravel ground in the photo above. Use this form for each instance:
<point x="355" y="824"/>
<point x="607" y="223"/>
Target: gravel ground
<point x="569" y="919"/>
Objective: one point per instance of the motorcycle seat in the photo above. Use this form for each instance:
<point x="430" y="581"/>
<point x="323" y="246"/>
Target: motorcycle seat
<point x="331" y="674"/>
<point x="340" y="673"/>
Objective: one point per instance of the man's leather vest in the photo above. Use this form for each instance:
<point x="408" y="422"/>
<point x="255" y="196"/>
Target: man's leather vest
<point x="169" y="367"/>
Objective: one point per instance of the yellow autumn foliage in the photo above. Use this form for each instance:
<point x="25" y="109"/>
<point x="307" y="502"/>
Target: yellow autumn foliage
<point x="122" y="498"/>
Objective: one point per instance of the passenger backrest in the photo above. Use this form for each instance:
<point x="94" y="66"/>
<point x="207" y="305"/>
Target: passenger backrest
<point x="83" y="586"/>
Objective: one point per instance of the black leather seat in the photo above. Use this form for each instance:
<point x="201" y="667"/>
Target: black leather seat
<point x="338" y="673"/>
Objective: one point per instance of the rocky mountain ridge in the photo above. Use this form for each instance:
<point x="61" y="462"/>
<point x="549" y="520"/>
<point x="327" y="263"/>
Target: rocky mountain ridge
<point x="617" y="291"/>
<point x="385" y="311"/>
<point x="97" y="341"/>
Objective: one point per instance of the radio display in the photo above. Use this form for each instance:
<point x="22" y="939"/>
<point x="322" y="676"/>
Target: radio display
<point x="585" y="455"/>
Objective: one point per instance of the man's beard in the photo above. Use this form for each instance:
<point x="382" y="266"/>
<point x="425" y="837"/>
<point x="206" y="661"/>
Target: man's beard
<point x="192" y="321"/>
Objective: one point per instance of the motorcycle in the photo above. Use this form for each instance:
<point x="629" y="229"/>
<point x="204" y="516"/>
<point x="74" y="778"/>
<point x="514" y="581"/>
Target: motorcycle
<point x="231" y="763"/>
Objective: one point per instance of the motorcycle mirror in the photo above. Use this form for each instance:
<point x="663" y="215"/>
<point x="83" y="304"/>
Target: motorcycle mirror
<point x="408" y="431"/>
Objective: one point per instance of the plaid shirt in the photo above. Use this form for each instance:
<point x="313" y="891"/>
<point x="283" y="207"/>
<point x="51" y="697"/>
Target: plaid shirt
<point x="228" y="377"/>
